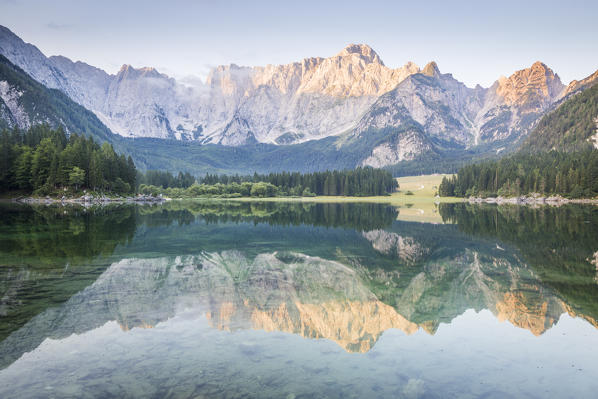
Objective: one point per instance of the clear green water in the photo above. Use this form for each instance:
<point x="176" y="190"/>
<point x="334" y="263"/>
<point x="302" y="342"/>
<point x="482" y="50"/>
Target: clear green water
<point x="209" y="300"/>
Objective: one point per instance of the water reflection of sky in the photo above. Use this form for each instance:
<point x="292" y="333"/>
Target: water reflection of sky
<point x="474" y="356"/>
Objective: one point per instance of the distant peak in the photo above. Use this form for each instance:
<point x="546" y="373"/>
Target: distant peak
<point x="431" y="69"/>
<point x="358" y="48"/>
<point x="143" y="70"/>
<point x="537" y="69"/>
<point x="364" y="51"/>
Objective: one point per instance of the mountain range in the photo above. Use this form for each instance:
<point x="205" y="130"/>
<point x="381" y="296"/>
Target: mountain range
<point x="343" y="111"/>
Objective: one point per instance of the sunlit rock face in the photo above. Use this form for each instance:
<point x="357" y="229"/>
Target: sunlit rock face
<point x="444" y="109"/>
<point x="310" y="99"/>
<point x="281" y="104"/>
<point x="536" y="86"/>
<point x="512" y="105"/>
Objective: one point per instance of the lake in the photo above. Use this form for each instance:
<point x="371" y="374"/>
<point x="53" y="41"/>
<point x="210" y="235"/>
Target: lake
<point x="298" y="300"/>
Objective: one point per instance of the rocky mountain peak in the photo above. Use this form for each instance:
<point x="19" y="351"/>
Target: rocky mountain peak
<point x="129" y="72"/>
<point x="364" y="51"/>
<point x="431" y="69"/>
<point x="537" y="84"/>
<point x="127" y="68"/>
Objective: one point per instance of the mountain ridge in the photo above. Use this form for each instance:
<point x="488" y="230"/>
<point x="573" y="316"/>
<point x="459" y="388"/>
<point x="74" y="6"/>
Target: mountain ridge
<point x="411" y="112"/>
<point x="24" y="102"/>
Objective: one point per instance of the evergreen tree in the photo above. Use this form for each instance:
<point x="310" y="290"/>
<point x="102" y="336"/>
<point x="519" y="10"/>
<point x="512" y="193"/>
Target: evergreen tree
<point x="76" y="177"/>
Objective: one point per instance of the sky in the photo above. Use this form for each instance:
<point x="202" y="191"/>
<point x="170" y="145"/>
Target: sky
<point x="476" y="41"/>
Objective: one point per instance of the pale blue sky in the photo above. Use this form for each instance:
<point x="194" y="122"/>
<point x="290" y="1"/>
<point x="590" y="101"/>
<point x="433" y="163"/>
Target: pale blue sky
<point x="476" y="41"/>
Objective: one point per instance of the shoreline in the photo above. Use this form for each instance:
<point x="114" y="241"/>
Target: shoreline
<point x="555" y="200"/>
<point x="396" y="199"/>
<point x="87" y="200"/>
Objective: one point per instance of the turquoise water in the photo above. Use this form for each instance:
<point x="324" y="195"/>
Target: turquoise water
<point x="298" y="301"/>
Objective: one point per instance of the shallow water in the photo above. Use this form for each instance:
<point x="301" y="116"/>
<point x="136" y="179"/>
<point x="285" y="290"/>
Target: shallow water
<point x="297" y="301"/>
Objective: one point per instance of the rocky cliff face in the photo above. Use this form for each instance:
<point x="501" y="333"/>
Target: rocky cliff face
<point x="434" y="104"/>
<point x="285" y="104"/>
<point x="512" y="105"/>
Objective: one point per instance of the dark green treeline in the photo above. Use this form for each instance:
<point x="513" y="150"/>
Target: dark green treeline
<point x="574" y="175"/>
<point x="42" y="160"/>
<point x="165" y="179"/>
<point x="357" y="182"/>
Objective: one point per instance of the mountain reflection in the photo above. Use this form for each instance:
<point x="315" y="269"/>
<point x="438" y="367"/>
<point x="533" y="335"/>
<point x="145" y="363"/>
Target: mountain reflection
<point x="276" y="269"/>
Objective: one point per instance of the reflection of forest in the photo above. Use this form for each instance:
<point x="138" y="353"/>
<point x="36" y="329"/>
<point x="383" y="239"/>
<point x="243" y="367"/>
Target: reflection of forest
<point x="347" y="285"/>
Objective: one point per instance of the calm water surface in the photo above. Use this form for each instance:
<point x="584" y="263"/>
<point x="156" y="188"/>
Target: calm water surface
<point x="210" y="300"/>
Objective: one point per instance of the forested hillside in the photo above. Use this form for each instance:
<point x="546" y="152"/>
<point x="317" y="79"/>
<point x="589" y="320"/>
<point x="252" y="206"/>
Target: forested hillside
<point x="569" y="127"/>
<point x="42" y="160"/>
